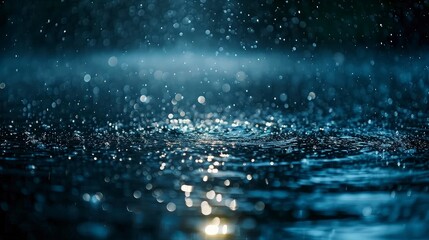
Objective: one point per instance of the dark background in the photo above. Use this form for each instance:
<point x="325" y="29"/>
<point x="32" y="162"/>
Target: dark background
<point x="81" y="25"/>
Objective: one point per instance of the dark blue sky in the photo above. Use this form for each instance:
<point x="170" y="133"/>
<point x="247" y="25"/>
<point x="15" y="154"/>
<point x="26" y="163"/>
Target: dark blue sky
<point x="219" y="25"/>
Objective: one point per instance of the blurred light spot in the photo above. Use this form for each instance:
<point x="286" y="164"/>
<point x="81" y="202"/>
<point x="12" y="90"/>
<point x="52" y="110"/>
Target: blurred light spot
<point x="212" y="229"/>
<point x="201" y="99"/>
<point x="211" y="194"/>
<point x="86" y="197"/>
<point x="113" y="61"/>
<point x="311" y="96"/>
<point x="215" y="227"/>
<point x="137" y="194"/>
<point x="178" y="97"/>
<point x="189" y="202"/>
<point x="366" y="211"/>
<point x="227" y="182"/>
<point x="143" y="98"/>
<point x="219" y="197"/>
<point x="186" y="188"/>
<point x="240" y="76"/>
<point x="171" y="207"/>
<point x="158" y="75"/>
<point x="226" y="87"/>
<point x="87" y="78"/>
<point x="233" y="205"/>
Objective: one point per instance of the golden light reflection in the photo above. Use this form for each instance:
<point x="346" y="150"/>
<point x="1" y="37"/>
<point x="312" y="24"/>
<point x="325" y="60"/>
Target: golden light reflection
<point x="211" y="229"/>
<point x="217" y="228"/>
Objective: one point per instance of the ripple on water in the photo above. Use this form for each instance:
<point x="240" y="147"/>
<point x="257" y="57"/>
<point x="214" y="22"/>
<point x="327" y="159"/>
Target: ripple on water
<point x="239" y="174"/>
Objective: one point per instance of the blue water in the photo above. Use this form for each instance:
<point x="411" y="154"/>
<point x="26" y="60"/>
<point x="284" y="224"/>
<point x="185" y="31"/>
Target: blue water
<point x="199" y="146"/>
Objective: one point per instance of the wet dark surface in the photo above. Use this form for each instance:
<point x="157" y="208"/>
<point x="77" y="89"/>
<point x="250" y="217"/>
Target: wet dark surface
<point x="197" y="146"/>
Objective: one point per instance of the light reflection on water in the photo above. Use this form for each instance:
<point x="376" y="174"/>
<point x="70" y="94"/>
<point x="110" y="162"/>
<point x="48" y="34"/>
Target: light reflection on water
<point x="218" y="227"/>
<point x="136" y="168"/>
<point x="255" y="191"/>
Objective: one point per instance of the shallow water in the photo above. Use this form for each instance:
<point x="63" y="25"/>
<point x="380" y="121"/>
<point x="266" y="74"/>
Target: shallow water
<point x="104" y="146"/>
